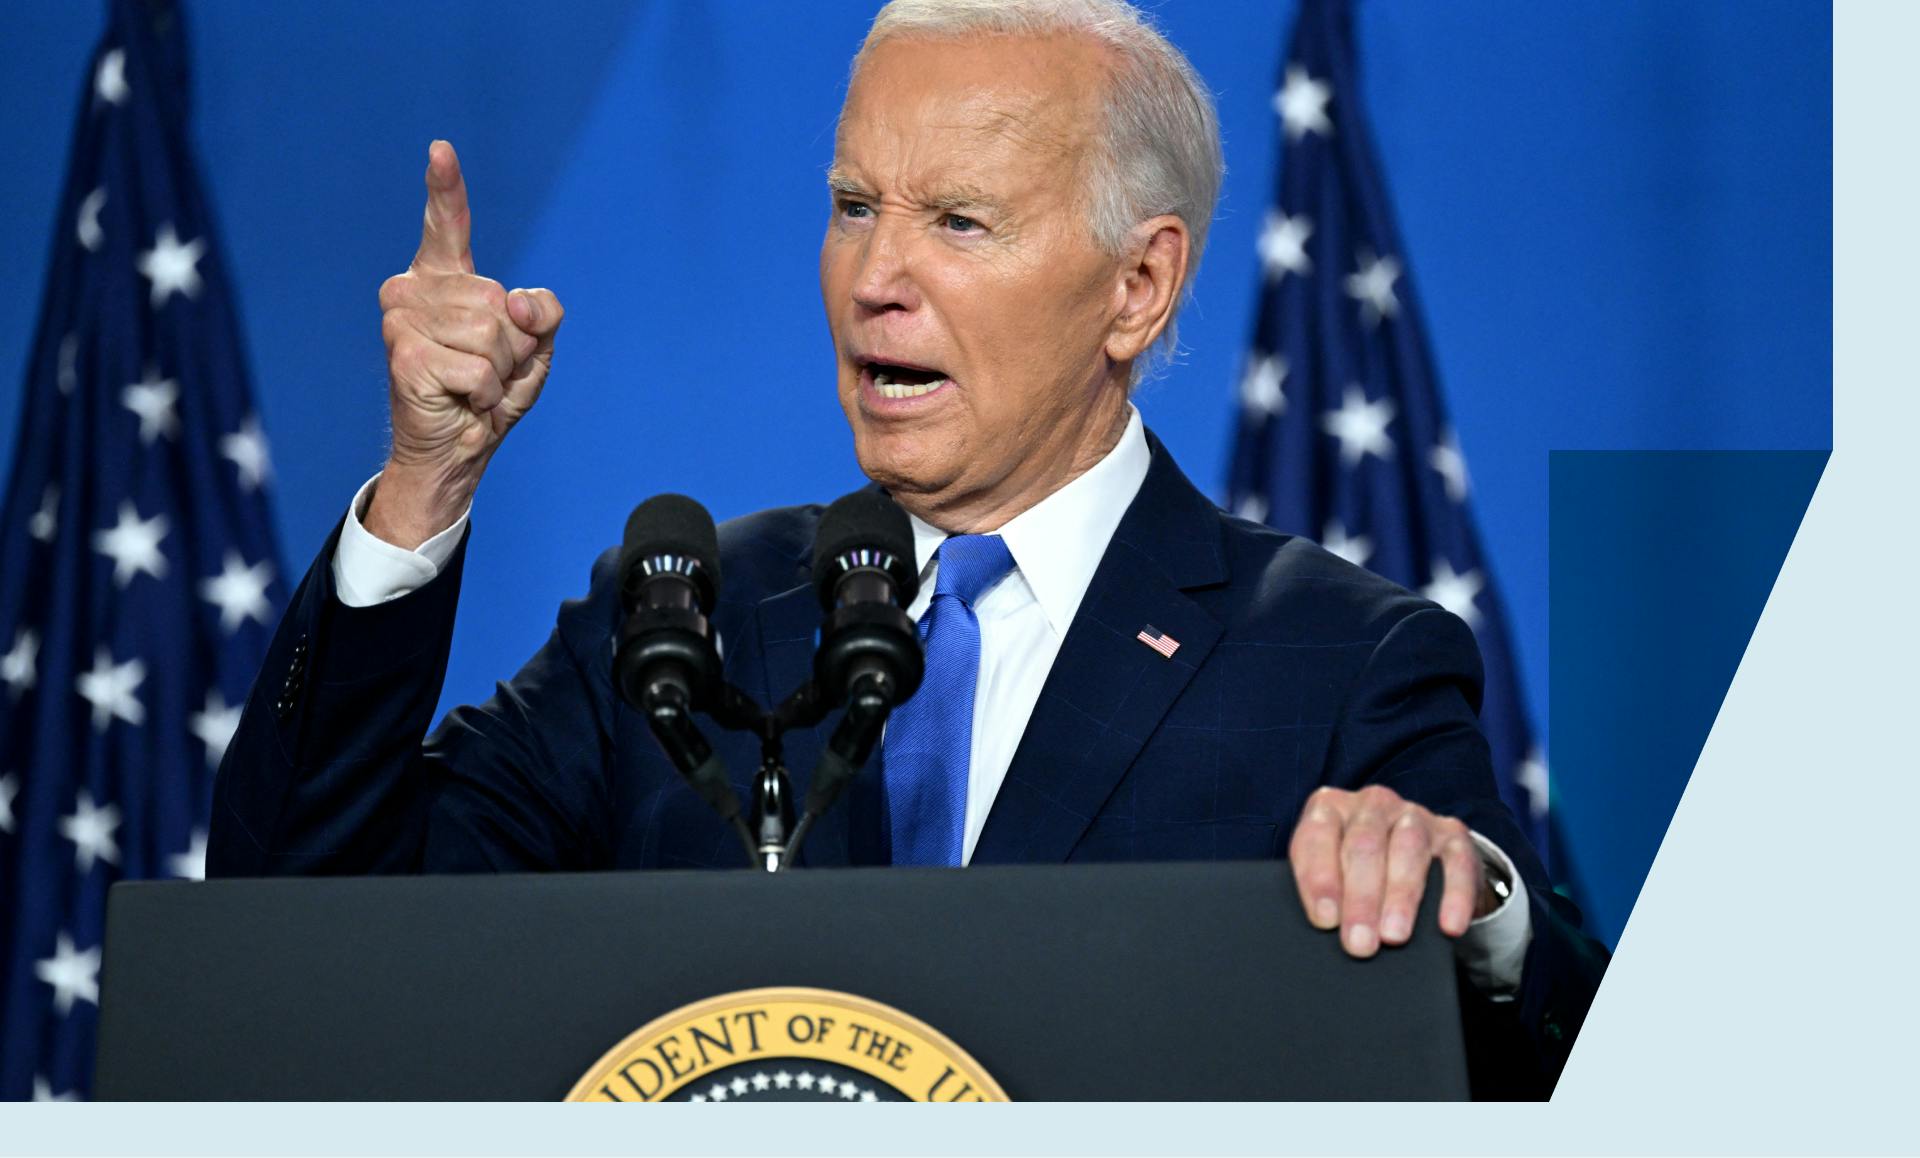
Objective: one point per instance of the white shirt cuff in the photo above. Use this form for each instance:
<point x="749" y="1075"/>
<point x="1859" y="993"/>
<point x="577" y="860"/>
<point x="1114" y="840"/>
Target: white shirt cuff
<point x="1494" y="947"/>
<point x="368" y="570"/>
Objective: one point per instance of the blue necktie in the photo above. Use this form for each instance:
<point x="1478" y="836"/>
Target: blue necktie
<point x="929" y="740"/>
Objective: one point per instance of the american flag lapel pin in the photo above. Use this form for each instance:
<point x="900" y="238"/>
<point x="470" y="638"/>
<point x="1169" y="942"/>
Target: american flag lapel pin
<point x="1159" y="641"/>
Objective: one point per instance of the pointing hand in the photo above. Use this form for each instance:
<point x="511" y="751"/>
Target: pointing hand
<point x="465" y="360"/>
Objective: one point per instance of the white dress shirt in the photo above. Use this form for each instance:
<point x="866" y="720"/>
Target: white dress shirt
<point x="1056" y="546"/>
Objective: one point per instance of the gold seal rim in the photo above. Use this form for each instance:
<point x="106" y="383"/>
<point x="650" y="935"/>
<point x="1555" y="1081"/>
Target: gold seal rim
<point x="964" y="1063"/>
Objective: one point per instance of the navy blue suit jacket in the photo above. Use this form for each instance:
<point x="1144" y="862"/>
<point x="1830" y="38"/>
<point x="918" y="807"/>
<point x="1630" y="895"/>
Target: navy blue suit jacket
<point x="1295" y="669"/>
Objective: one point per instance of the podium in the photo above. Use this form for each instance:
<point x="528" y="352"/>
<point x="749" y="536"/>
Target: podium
<point x="1125" y="981"/>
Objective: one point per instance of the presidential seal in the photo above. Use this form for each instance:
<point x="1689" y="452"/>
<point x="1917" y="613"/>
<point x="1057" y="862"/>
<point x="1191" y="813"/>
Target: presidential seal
<point x="786" y="1045"/>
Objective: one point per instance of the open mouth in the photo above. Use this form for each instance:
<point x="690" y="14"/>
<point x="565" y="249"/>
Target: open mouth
<point x="896" y="381"/>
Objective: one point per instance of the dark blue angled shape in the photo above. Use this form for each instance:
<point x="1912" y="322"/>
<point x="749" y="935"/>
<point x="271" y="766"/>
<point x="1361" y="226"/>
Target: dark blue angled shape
<point x="1661" y="564"/>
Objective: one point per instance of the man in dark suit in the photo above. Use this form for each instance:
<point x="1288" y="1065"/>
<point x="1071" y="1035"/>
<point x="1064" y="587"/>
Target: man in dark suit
<point x="1020" y="195"/>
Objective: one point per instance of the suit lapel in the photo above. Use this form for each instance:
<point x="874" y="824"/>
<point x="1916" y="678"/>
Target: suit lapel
<point x="1108" y="690"/>
<point x="788" y="624"/>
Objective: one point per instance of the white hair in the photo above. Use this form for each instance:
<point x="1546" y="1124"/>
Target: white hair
<point x="1159" y="149"/>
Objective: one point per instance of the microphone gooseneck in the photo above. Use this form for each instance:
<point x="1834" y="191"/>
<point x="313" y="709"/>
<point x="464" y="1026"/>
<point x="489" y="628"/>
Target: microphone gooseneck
<point x="870" y="658"/>
<point x="667" y="663"/>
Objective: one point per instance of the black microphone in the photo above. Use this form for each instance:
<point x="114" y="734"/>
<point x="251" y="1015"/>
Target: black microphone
<point x="669" y="575"/>
<point x="864" y="575"/>
<point x="667" y="665"/>
<point x="869" y="657"/>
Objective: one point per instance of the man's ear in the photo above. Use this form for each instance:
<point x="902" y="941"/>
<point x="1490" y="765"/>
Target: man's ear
<point x="1150" y="286"/>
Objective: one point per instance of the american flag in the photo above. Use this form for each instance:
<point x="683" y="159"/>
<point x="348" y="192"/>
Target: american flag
<point x="138" y="571"/>
<point x="1342" y="435"/>
<point x="1159" y="641"/>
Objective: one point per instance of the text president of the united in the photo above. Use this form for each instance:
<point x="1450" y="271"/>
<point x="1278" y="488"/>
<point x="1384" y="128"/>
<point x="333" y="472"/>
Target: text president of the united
<point x="1019" y="195"/>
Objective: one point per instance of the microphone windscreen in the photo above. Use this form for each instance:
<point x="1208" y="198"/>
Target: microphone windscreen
<point x="670" y="525"/>
<point x="866" y="521"/>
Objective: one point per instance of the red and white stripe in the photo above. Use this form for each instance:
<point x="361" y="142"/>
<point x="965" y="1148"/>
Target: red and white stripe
<point x="1166" y="645"/>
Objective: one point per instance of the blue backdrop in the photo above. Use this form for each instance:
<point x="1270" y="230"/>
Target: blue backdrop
<point x="1618" y="219"/>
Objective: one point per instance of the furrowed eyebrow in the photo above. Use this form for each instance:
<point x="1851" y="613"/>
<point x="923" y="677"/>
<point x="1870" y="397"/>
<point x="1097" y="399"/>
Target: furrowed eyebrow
<point x="843" y="184"/>
<point x="961" y="199"/>
<point x="967" y="199"/>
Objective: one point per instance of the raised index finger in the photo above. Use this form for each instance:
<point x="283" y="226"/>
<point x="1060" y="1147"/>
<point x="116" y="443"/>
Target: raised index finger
<point x="447" y="234"/>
